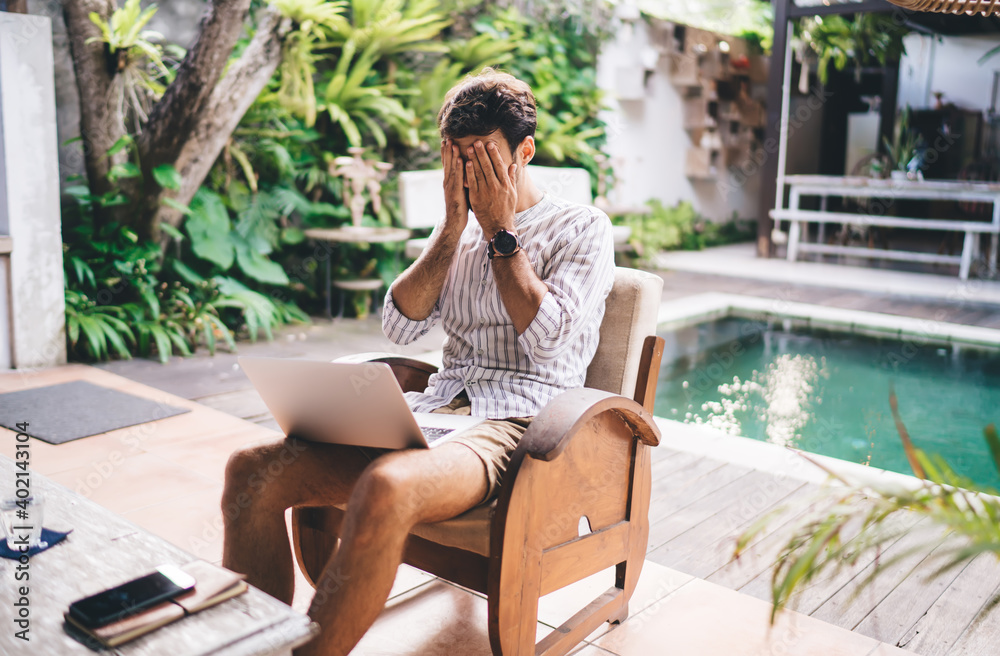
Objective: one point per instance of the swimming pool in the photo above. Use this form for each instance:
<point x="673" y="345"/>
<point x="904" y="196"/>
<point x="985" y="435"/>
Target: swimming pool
<point x="789" y="382"/>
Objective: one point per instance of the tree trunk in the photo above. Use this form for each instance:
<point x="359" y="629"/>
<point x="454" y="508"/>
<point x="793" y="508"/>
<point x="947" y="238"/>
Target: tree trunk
<point x="101" y="124"/>
<point x="222" y="112"/>
<point x="172" y="120"/>
<point x="191" y="123"/>
<point x="225" y="108"/>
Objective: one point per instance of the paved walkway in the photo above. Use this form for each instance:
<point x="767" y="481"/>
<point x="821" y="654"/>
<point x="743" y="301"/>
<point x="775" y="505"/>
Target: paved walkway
<point x="739" y="261"/>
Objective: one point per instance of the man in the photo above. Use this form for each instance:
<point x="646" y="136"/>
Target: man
<point x="520" y="289"/>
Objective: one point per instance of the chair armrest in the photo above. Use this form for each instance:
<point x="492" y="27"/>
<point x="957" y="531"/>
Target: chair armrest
<point x="412" y="374"/>
<point x="551" y="430"/>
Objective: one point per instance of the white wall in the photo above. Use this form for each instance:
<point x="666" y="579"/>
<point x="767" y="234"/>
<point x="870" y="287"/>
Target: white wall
<point x="950" y="67"/>
<point x="31" y="169"/>
<point x="648" y="144"/>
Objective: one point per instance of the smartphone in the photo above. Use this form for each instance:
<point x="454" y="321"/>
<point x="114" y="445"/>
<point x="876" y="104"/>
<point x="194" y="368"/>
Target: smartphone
<point x="129" y="598"/>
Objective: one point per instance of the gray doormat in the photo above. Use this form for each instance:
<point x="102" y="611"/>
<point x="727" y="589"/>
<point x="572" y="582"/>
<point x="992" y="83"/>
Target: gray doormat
<point x="68" y="411"/>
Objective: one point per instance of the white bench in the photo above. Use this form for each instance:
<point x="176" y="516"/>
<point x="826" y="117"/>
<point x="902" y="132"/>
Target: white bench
<point x="421" y="198"/>
<point x="890" y="190"/>
<point x="970" y="247"/>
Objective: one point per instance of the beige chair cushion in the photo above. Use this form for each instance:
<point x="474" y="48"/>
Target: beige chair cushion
<point x="630" y="314"/>
<point x="469" y="531"/>
<point x="629" y="317"/>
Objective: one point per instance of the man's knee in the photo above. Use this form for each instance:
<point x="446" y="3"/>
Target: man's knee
<point x="250" y="472"/>
<point x="383" y="491"/>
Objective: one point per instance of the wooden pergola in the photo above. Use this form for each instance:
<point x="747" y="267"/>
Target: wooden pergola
<point x="936" y="16"/>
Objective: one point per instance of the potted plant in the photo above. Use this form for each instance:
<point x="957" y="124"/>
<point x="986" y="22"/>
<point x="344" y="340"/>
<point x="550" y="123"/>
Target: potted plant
<point x="903" y="149"/>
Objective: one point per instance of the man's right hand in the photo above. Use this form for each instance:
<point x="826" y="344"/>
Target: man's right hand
<point x="416" y="291"/>
<point x="456" y="204"/>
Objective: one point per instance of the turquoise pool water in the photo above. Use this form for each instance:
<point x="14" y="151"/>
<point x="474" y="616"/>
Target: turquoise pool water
<point x="828" y="392"/>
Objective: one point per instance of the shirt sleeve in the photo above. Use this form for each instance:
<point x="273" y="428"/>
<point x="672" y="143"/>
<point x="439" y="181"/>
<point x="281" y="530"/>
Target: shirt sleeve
<point x="579" y="278"/>
<point x="401" y="329"/>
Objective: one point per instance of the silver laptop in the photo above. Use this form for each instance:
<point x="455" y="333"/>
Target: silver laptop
<point x="346" y="403"/>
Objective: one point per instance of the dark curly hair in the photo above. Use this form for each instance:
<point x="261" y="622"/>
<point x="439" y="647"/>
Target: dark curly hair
<point x="488" y="102"/>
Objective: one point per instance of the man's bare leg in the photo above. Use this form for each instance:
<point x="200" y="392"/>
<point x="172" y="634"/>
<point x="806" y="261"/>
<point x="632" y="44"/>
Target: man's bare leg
<point x="261" y="482"/>
<point x="398" y="491"/>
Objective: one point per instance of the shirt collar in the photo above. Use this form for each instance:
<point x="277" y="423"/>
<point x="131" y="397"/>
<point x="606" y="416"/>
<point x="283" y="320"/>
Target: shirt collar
<point x="526" y="215"/>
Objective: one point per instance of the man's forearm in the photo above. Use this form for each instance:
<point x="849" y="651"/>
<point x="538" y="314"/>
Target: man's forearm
<point x="520" y="289"/>
<point x="417" y="289"/>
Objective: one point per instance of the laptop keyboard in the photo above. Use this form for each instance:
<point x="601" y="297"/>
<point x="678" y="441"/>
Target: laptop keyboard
<point x="434" y="434"/>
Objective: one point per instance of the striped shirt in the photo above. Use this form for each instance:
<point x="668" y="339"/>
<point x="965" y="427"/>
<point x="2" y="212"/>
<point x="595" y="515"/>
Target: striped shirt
<point x="571" y="249"/>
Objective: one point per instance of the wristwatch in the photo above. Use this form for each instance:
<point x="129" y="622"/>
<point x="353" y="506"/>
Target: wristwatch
<point x="504" y="244"/>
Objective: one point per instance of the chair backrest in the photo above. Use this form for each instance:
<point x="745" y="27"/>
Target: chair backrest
<point x="630" y="315"/>
<point x="421" y="200"/>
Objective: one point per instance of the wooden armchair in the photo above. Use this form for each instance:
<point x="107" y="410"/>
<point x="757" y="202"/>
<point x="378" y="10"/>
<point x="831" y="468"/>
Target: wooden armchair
<point x="572" y="503"/>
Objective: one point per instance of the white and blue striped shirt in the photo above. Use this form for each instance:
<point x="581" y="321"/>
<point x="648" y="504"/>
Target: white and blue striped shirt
<point x="506" y="375"/>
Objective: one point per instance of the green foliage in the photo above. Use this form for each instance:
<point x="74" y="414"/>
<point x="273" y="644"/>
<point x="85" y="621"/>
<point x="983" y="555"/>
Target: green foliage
<point x="259" y="313"/>
<point x="315" y="22"/>
<point x="354" y="72"/>
<point x="102" y="327"/>
<point x="167" y="176"/>
<point x="680" y="228"/>
<point x="867" y="39"/>
<point x="357" y="105"/>
<point x="248" y="242"/>
<point x="664" y="228"/>
<point x="135" y="61"/>
<point x="395" y="26"/>
<point x="905" y="142"/>
<point x="124" y="298"/>
<point x="822" y="540"/>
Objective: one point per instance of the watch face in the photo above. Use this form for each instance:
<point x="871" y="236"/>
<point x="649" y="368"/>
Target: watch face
<point x="504" y="242"/>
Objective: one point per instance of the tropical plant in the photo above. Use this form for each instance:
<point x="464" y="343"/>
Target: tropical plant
<point x="819" y="541"/>
<point x="258" y="312"/>
<point x="102" y="327"/>
<point x="905" y="142"/>
<point x="564" y="137"/>
<point x="680" y="227"/>
<point x="664" y="228"/>
<point x="316" y="21"/>
<point x="394" y="26"/>
<point x="355" y="103"/>
<point x="190" y="125"/>
<point x="247" y="243"/>
<point x="868" y="38"/>
<point x="133" y="59"/>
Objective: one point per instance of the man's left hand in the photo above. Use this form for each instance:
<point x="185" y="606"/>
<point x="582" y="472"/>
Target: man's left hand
<point x="492" y="188"/>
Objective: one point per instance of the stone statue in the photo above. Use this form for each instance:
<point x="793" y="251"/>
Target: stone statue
<point x="360" y="175"/>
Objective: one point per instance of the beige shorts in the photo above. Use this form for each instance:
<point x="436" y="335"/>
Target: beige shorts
<point x="493" y="440"/>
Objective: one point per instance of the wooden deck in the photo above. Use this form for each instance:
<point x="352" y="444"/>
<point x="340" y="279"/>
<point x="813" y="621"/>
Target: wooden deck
<point x="700" y="504"/>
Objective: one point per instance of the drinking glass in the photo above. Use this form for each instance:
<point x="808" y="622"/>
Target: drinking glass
<point x="23" y="517"/>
